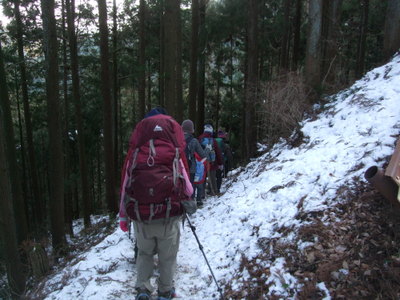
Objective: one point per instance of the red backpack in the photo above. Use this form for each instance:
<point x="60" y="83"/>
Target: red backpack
<point x="153" y="180"/>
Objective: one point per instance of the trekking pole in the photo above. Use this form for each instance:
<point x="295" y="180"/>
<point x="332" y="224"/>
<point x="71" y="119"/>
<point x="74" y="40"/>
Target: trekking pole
<point x="205" y="257"/>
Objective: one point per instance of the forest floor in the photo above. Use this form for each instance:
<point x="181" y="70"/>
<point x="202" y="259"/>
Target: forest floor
<point x="356" y="255"/>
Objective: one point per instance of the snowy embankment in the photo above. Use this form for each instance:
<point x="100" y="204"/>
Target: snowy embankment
<point x="355" y="130"/>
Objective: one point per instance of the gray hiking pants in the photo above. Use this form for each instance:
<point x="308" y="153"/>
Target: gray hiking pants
<point x="162" y="239"/>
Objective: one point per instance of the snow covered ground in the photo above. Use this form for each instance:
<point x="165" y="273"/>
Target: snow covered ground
<point x="355" y="130"/>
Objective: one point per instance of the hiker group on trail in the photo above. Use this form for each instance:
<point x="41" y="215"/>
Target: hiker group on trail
<point x="163" y="179"/>
<point x="209" y="157"/>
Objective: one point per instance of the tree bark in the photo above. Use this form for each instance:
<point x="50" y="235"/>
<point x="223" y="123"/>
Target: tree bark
<point x="251" y="92"/>
<point x="201" y="68"/>
<point x="56" y="159"/>
<point x="142" y="59"/>
<point x="171" y="55"/>
<point x="15" y="272"/>
<point x="313" y="49"/>
<point x="116" y="92"/>
<point x="391" y="43"/>
<point x="194" y="54"/>
<point x="68" y="187"/>
<point x="179" y="88"/>
<point x="296" y="38"/>
<point x="284" y="62"/>
<point x="37" y="207"/>
<point x="218" y="64"/>
<point x="362" y="39"/>
<point x="83" y="166"/>
<point x="161" y="87"/>
<point x="107" y="110"/>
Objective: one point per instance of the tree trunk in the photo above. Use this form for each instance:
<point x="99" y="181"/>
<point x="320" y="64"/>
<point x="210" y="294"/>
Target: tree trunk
<point x="331" y="29"/>
<point x="201" y="68"/>
<point x="284" y="62"/>
<point x="24" y="175"/>
<point x="83" y="167"/>
<point x="37" y="205"/>
<point x="313" y="49"/>
<point x="107" y="110"/>
<point x="391" y="43"/>
<point x="218" y="64"/>
<point x="142" y="59"/>
<point x="362" y="39"/>
<point x="296" y="38"/>
<point x="194" y="54"/>
<point x="67" y="160"/>
<point x="179" y="88"/>
<point x="116" y="92"/>
<point x="251" y="92"/>
<point x="56" y="155"/>
<point x="171" y="55"/>
<point x="162" y="55"/>
<point x="9" y="239"/>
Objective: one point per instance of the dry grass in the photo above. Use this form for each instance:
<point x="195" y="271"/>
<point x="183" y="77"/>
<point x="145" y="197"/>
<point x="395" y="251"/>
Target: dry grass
<point x="283" y="102"/>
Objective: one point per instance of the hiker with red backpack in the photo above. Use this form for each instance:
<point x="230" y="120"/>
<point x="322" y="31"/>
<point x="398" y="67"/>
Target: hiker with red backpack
<point x="214" y="156"/>
<point x="195" y="156"/>
<point x="155" y="194"/>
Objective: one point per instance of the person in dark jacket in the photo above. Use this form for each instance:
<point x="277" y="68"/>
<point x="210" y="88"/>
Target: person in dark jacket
<point x="193" y="146"/>
<point x="221" y="144"/>
<point x="215" y="156"/>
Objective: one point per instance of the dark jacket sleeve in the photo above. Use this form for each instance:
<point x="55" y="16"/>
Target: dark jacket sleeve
<point x="198" y="148"/>
<point x="219" y="158"/>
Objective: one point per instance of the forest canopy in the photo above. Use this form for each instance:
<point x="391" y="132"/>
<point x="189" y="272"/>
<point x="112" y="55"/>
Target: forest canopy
<point x="78" y="75"/>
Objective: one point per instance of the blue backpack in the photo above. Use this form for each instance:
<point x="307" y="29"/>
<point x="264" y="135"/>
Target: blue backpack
<point x="201" y="169"/>
<point x="208" y="145"/>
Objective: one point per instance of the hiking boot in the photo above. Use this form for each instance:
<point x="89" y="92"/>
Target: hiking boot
<point x="199" y="204"/>
<point x="166" y="295"/>
<point x="143" y="294"/>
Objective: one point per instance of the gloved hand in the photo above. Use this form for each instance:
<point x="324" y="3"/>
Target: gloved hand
<point x="123" y="224"/>
<point x="190" y="206"/>
<point x="221" y="167"/>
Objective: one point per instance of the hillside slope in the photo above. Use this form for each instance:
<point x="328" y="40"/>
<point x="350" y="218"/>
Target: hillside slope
<point x="296" y="223"/>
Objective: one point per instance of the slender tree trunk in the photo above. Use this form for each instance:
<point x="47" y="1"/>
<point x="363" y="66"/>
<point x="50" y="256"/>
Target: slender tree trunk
<point x="231" y="73"/>
<point x="116" y="92"/>
<point x="149" y="85"/>
<point x="38" y="206"/>
<point x="142" y="59"/>
<point x="68" y="187"/>
<point x="83" y="168"/>
<point x="56" y="159"/>
<point x="201" y="68"/>
<point x="179" y="88"/>
<point x="194" y="54"/>
<point x="251" y="92"/>
<point x="331" y="23"/>
<point x="218" y="89"/>
<point x="362" y="39"/>
<point x="107" y="110"/>
<point x="171" y="55"/>
<point x="391" y="43"/>
<point x="8" y="232"/>
<point x="313" y="52"/>
<point x="296" y="38"/>
<point x="284" y="62"/>
<point x="25" y="194"/>
<point x="162" y="55"/>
